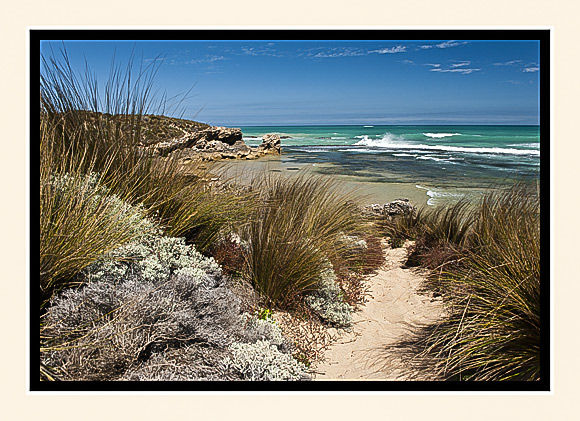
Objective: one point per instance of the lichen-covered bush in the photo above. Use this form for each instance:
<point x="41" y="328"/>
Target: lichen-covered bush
<point x="263" y="361"/>
<point x="258" y="329"/>
<point x="80" y="220"/>
<point x="163" y="295"/>
<point x="189" y="363"/>
<point x="328" y="303"/>
<point x="157" y="310"/>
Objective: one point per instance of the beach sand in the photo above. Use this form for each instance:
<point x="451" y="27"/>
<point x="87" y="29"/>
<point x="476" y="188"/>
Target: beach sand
<point x="395" y="308"/>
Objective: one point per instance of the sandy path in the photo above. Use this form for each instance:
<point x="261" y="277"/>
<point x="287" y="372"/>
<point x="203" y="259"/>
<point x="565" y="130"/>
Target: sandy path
<point x="395" y="306"/>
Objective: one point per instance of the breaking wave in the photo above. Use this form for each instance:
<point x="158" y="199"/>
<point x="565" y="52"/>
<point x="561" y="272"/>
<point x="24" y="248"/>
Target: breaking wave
<point x="440" y="135"/>
<point x="395" y="142"/>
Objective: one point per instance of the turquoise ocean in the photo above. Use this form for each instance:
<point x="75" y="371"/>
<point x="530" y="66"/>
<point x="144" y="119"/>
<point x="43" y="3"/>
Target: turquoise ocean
<point x="442" y="160"/>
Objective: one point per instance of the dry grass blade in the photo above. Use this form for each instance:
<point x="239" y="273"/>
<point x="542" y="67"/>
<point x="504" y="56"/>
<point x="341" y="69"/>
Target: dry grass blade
<point x="296" y="232"/>
<point x="492" y="294"/>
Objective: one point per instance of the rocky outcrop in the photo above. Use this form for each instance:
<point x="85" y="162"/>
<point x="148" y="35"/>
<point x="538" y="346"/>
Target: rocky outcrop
<point x="214" y="143"/>
<point x="216" y="138"/>
<point x="186" y="139"/>
<point x="270" y="144"/>
<point x="390" y="209"/>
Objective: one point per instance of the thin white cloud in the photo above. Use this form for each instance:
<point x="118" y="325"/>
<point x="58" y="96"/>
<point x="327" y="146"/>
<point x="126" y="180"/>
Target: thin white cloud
<point x="207" y="59"/>
<point x="392" y="50"/>
<point x="455" y="67"/>
<point x="508" y="63"/>
<point x="530" y="69"/>
<point x="456" y="70"/>
<point x="408" y="62"/>
<point x="268" y="50"/>
<point x="335" y="52"/>
<point x="445" y="44"/>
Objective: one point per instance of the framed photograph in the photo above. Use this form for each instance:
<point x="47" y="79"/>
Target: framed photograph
<point x="290" y="210"/>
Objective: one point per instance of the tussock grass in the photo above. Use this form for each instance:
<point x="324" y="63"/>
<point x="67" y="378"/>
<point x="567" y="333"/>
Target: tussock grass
<point x="295" y="233"/>
<point x="79" y="222"/>
<point x="450" y="224"/>
<point x="94" y="128"/>
<point x="492" y="291"/>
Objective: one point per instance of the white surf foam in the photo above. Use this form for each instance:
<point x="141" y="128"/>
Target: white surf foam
<point x="440" y="135"/>
<point x="431" y="158"/>
<point x="526" y="145"/>
<point x="386" y="141"/>
<point x="359" y="150"/>
<point x="433" y="195"/>
<point x="395" y="142"/>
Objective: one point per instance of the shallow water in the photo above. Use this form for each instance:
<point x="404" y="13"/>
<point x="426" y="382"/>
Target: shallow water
<point x="428" y="164"/>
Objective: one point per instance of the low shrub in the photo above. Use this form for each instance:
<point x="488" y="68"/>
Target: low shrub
<point x="327" y="301"/>
<point x="263" y="361"/>
<point x="143" y="298"/>
<point x="308" y="335"/>
<point x="230" y="256"/>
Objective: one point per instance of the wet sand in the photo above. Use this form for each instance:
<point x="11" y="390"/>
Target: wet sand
<point x="369" y="191"/>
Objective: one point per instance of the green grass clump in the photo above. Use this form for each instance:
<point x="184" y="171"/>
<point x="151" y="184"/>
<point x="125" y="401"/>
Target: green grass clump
<point x="492" y="291"/>
<point x="295" y="232"/>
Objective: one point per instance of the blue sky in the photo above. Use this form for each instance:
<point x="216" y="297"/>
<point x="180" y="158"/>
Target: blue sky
<point x="335" y="82"/>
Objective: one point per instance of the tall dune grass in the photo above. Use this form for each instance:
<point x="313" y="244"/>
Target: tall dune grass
<point x="492" y="291"/>
<point x="93" y="128"/>
<point x="295" y="233"/>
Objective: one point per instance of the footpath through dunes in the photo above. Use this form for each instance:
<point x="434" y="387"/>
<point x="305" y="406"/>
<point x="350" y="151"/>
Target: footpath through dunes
<point x="396" y="307"/>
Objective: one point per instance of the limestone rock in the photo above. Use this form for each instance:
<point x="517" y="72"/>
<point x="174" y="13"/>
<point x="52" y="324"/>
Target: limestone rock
<point x="270" y="144"/>
<point x="396" y="207"/>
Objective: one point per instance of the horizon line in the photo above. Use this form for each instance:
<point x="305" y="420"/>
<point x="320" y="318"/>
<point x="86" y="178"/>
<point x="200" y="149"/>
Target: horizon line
<point x="375" y="125"/>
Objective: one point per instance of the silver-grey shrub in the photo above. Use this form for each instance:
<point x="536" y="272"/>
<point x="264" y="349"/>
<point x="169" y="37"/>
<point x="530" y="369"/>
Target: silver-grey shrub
<point x="162" y="294"/>
<point x="159" y="310"/>
<point x="263" y="361"/>
<point x="328" y="303"/>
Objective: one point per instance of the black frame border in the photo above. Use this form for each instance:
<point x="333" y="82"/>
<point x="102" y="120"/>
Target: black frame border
<point x="541" y="35"/>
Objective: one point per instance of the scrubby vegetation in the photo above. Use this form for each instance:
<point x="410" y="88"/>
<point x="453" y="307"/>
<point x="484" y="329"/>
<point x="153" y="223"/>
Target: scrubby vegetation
<point x="486" y="264"/>
<point x="299" y="226"/>
<point x="149" y="271"/>
<point x="154" y="300"/>
<point x="129" y="289"/>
